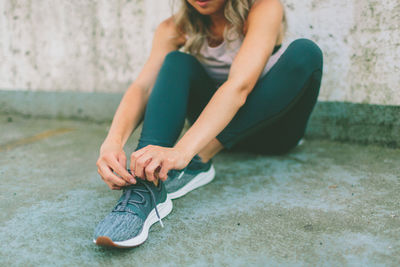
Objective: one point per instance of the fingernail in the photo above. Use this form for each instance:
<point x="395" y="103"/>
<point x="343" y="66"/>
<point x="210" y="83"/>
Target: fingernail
<point x="132" y="181"/>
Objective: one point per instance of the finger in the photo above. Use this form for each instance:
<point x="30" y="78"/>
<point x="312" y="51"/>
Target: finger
<point x="134" y="156"/>
<point x="110" y="177"/>
<point x="165" y="167"/>
<point x="141" y="164"/>
<point x="112" y="186"/>
<point x="157" y="173"/>
<point x="101" y="172"/>
<point x="151" y="168"/>
<point x="115" y="165"/>
<point x="116" y="188"/>
<point x="109" y="184"/>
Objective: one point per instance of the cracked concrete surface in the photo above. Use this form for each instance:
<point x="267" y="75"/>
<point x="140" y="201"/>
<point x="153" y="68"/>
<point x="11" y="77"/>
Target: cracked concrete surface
<point x="325" y="203"/>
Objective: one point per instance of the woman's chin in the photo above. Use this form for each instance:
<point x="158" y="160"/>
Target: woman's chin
<point x="208" y="8"/>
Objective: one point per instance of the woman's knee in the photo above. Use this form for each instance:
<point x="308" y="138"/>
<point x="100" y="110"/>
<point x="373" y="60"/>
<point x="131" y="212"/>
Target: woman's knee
<point x="184" y="64"/>
<point x="178" y="58"/>
<point x="307" y="54"/>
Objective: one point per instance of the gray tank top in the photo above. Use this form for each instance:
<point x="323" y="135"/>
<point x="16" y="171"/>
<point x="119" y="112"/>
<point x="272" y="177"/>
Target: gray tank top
<point x="217" y="60"/>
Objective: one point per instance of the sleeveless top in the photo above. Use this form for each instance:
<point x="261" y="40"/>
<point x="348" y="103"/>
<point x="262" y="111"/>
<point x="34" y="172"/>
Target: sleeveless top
<point x="217" y="60"/>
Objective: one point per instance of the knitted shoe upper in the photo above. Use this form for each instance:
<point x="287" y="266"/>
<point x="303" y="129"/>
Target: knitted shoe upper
<point x="127" y="218"/>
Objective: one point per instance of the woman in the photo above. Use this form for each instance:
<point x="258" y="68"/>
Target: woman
<point x="222" y="65"/>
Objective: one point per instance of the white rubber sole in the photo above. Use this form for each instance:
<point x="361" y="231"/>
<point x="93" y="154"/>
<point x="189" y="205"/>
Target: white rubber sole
<point x="163" y="209"/>
<point x="200" y="180"/>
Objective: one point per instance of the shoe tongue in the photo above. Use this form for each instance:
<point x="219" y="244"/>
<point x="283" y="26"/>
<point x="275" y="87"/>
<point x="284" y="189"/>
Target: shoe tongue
<point x="140" y="184"/>
<point x="141" y="193"/>
<point x="138" y="195"/>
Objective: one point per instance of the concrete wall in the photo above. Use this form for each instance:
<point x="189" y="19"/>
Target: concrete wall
<point x="100" y="46"/>
<point x="76" y="45"/>
<point x="361" y="44"/>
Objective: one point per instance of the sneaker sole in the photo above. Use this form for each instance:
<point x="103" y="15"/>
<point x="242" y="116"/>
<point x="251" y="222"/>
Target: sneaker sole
<point x="200" y="180"/>
<point x="164" y="209"/>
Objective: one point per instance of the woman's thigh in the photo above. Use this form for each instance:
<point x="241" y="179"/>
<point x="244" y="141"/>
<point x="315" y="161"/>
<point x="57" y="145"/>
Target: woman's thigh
<point x="283" y="134"/>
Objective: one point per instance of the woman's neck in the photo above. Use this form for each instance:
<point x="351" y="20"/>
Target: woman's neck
<point x="217" y="26"/>
<point x="218" y="18"/>
<point x="217" y="38"/>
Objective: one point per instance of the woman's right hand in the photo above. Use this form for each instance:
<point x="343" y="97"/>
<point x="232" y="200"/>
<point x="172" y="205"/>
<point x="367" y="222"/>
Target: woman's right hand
<point x="111" y="165"/>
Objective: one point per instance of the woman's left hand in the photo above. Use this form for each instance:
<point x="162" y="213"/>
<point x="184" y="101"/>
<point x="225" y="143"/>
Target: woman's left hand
<point x="153" y="162"/>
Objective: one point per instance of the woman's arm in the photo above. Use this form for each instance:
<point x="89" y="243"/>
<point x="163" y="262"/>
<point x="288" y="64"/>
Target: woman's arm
<point x="264" y="22"/>
<point x="131" y="108"/>
<point x="263" y="26"/>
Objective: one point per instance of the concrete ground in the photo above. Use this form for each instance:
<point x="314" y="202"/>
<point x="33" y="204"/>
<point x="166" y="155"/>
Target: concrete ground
<point x="325" y="203"/>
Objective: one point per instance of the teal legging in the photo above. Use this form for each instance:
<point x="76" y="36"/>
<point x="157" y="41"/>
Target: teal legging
<point x="273" y="119"/>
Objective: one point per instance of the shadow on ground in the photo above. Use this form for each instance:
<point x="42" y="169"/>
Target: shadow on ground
<point x="325" y="203"/>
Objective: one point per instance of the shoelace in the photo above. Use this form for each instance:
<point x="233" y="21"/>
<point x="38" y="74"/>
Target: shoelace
<point x="137" y="190"/>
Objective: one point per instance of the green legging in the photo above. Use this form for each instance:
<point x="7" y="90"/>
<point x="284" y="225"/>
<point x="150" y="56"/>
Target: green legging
<point x="273" y="119"/>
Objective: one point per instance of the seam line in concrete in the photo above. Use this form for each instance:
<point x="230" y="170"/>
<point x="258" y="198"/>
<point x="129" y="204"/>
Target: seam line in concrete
<point x="32" y="139"/>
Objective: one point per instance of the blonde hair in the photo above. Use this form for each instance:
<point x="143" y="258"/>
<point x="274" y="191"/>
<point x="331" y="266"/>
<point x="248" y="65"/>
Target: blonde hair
<point x="196" y="25"/>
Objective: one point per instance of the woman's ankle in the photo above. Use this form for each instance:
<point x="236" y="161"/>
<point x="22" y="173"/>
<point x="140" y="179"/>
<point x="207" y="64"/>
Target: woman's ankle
<point x="210" y="150"/>
<point x="203" y="158"/>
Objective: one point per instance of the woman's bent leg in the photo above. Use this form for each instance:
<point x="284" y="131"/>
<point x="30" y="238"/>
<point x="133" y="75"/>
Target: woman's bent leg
<point x="287" y="92"/>
<point x="284" y="134"/>
<point x="167" y="105"/>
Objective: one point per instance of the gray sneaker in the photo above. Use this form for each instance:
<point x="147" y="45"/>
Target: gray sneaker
<point x="128" y="224"/>
<point x="196" y="174"/>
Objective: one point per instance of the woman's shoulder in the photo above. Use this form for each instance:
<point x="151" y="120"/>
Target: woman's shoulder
<point x="169" y="29"/>
<point x="261" y="6"/>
